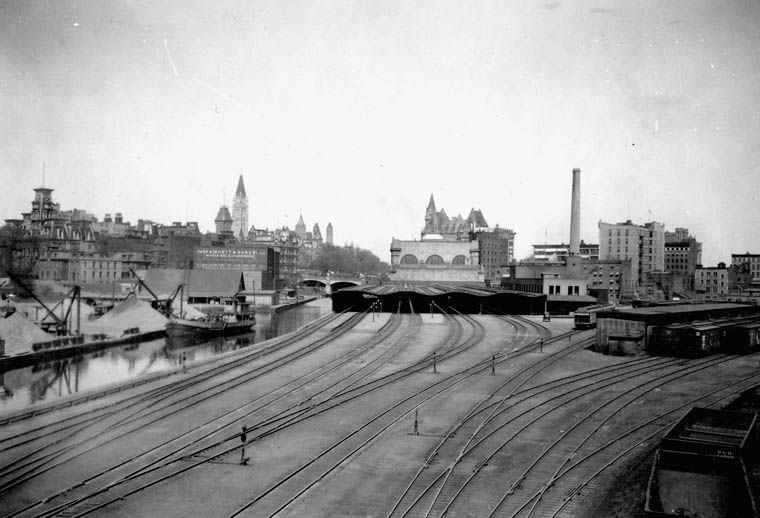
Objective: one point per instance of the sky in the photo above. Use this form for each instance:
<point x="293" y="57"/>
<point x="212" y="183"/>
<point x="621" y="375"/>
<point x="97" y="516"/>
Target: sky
<point x="355" y="112"/>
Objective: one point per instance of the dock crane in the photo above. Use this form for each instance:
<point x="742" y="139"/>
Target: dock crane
<point x="61" y="324"/>
<point x="163" y="306"/>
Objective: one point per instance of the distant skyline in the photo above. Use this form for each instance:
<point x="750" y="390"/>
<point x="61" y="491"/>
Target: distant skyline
<point x="354" y="112"/>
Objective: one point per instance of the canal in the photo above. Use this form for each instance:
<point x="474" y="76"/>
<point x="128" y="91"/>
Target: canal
<point x="53" y="379"/>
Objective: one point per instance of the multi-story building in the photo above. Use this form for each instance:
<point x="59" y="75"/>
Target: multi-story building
<point x="285" y="242"/>
<point x="329" y="234"/>
<point x="607" y="280"/>
<point x="712" y="283"/>
<point x="260" y="264"/>
<point x="682" y="255"/>
<point x="554" y="252"/>
<point x="643" y="245"/>
<point x="47" y="236"/>
<point x="435" y="260"/>
<point x="115" y="226"/>
<point x="752" y="261"/>
<point x="496" y="248"/>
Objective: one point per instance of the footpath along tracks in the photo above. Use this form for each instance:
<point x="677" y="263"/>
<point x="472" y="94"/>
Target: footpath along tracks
<point x="531" y="441"/>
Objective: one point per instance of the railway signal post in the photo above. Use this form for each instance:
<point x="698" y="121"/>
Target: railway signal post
<point x="243" y="437"/>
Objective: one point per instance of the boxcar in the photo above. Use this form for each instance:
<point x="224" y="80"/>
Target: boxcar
<point x="743" y="338"/>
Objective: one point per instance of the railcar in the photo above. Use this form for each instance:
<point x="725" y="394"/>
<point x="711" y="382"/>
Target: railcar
<point x="585" y="318"/>
<point x="743" y="338"/>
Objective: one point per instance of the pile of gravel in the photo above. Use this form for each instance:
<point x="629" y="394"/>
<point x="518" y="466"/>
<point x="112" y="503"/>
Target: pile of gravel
<point x="20" y="333"/>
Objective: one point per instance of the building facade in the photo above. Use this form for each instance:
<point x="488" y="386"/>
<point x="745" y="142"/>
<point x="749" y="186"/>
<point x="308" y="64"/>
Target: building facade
<point x="683" y="253"/>
<point x="554" y="252"/>
<point x="752" y="262"/>
<point x="435" y="260"/>
<point x="712" y="283"/>
<point x="496" y="250"/>
<point x="643" y="245"/>
<point x="259" y="264"/>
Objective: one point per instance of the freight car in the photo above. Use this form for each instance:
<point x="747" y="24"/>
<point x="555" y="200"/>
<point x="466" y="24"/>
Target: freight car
<point x="695" y="339"/>
<point x="687" y="340"/>
<point x="743" y="338"/>
<point x="700" y="466"/>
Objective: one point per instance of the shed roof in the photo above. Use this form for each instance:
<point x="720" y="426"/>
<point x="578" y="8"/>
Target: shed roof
<point x="680" y="313"/>
<point x="197" y="283"/>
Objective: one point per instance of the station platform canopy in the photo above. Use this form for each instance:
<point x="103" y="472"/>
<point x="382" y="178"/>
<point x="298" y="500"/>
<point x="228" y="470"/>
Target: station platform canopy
<point x="679" y="313"/>
<point x="422" y="298"/>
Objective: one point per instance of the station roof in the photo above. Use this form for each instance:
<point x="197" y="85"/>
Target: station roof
<point x="432" y="290"/>
<point x="679" y="313"/>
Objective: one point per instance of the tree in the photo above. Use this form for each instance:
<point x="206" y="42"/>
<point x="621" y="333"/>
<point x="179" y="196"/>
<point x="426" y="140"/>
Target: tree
<point x="350" y="260"/>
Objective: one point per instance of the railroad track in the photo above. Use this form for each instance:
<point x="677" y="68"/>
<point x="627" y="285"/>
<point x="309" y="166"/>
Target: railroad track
<point x="459" y="482"/>
<point x="337" y="393"/>
<point x="156" y="403"/>
<point x="293" y="411"/>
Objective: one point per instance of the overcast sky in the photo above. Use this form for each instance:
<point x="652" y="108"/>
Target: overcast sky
<point x="354" y="112"/>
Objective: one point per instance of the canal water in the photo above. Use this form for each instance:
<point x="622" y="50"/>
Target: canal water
<point x="53" y="379"/>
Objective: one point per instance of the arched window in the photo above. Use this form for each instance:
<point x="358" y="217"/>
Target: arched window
<point x="460" y="259"/>
<point x="409" y="259"/>
<point x="434" y="259"/>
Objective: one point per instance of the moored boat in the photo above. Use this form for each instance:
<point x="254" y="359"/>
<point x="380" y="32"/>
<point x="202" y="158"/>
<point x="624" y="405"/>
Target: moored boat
<point x="215" y="321"/>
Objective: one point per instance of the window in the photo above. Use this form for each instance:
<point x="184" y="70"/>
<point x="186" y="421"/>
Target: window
<point x="409" y="259"/>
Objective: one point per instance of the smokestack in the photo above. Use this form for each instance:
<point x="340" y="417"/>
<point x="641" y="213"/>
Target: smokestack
<point x="575" y="214"/>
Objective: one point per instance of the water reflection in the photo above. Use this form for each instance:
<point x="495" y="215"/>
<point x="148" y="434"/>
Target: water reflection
<point x="54" y="379"/>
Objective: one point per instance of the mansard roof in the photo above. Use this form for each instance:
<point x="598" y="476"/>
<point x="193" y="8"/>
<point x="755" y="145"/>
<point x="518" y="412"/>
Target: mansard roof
<point x="223" y="214"/>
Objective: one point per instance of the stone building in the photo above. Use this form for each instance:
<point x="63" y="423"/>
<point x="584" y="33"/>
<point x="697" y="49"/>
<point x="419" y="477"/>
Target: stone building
<point x="439" y="223"/>
<point x="240" y="212"/>
<point x="329" y="234"/>
<point x="45" y="240"/>
<point x="435" y="260"/>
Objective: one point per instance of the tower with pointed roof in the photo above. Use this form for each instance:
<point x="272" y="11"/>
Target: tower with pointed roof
<point x="430" y="216"/>
<point x="316" y="234"/>
<point x="240" y="211"/>
<point x="329" y="234"/>
<point x="301" y="227"/>
<point x="224" y="221"/>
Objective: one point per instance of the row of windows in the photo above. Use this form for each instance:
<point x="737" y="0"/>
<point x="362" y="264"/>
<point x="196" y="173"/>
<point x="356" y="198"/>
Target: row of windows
<point x="433" y="259"/>
<point x="571" y="290"/>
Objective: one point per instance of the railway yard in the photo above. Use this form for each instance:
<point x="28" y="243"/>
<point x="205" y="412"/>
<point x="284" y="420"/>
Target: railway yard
<point x="367" y="414"/>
